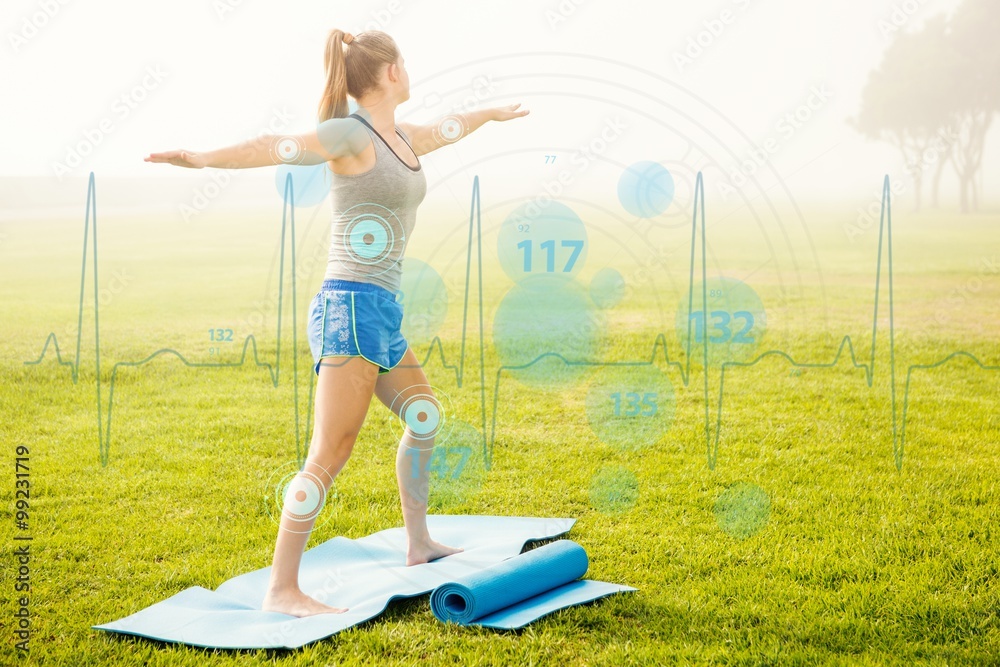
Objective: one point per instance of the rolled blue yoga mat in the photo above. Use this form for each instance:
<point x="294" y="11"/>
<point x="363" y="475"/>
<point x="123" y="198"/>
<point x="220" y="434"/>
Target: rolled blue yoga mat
<point x="539" y="576"/>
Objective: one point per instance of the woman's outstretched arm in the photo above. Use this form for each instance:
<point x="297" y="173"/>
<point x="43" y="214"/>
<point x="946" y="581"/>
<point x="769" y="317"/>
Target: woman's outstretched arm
<point x="453" y="127"/>
<point x="332" y="139"/>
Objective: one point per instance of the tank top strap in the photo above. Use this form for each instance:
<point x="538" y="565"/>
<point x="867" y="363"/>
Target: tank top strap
<point x="403" y="136"/>
<point x="387" y="147"/>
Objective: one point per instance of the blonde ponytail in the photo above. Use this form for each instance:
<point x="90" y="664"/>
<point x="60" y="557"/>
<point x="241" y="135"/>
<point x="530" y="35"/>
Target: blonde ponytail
<point x="353" y="67"/>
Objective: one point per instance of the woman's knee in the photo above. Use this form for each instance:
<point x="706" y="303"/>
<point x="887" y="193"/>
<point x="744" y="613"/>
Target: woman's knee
<point x="328" y="448"/>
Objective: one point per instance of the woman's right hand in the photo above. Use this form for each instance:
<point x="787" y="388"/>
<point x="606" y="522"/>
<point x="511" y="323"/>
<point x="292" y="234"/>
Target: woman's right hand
<point x="179" y="158"/>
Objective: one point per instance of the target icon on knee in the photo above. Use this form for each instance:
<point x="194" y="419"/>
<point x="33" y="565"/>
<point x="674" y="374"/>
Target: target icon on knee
<point x="373" y="236"/>
<point x="298" y="495"/>
<point x="304" y="496"/>
<point x="424" y="411"/>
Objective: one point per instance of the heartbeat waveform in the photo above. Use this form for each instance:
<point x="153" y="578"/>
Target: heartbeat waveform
<point x="104" y="431"/>
<point x="712" y="437"/>
<point x="684" y="368"/>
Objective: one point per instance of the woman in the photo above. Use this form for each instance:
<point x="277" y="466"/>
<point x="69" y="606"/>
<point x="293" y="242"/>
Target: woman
<point x="354" y="319"/>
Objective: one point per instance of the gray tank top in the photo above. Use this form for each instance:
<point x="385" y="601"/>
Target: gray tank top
<point x="373" y="217"/>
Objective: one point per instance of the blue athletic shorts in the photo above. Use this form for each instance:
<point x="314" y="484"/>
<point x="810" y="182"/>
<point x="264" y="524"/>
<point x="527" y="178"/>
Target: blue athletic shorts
<point x="355" y="319"/>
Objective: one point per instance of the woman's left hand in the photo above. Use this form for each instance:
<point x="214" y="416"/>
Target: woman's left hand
<point x="508" y="112"/>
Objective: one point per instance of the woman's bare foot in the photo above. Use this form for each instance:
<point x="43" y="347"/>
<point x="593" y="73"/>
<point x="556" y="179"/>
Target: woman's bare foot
<point x="428" y="550"/>
<point x="296" y="603"/>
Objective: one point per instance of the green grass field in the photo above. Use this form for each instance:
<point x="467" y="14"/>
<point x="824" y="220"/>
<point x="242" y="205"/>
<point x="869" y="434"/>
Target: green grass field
<point x="839" y="558"/>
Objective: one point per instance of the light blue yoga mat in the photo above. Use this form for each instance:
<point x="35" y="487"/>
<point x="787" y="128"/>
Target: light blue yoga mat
<point x="521" y="589"/>
<point x="363" y="575"/>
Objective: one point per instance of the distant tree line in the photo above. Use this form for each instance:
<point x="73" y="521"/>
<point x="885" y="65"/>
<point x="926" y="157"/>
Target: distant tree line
<point x="934" y="97"/>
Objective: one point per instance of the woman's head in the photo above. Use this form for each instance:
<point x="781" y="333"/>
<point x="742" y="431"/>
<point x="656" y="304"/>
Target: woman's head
<point x="369" y="65"/>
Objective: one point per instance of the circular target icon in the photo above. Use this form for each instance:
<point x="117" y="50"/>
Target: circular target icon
<point x="423" y="416"/>
<point x="303" y="498"/>
<point x="296" y="494"/>
<point x="425" y="412"/>
<point x="450" y="129"/>
<point x="288" y="150"/>
<point x="368" y="239"/>
<point x="373" y="236"/>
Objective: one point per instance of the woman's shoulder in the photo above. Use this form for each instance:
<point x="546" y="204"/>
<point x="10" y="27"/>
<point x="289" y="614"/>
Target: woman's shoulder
<point x="345" y="137"/>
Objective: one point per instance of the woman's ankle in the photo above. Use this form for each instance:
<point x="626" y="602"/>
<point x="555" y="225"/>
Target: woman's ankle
<point x="276" y="589"/>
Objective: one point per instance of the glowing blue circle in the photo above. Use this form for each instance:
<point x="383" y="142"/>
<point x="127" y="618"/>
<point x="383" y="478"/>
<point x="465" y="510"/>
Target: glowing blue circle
<point x="630" y="407"/>
<point x="542" y="237"/>
<point x="424" y="298"/>
<point x="310" y="183"/>
<point x="731" y="324"/>
<point x="646" y="189"/>
<point x="369" y="239"/>
<point x="613" y="490"/>
<point x="742" y="510"/>
<point x="545" y="331"/>
<point x="607" y="288"/>
<point x="456" y="471"/>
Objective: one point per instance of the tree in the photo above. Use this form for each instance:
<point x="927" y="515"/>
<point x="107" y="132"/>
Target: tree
<point x="973" y="89"/>
<point x="899" y="103"/>
<point x="935" y="94"/>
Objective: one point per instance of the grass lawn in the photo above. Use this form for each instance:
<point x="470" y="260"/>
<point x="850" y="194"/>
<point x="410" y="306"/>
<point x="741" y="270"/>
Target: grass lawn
<point x="799" y="542"/>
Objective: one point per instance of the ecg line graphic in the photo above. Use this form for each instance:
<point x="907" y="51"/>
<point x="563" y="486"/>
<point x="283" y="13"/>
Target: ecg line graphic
<point x="436" y="346"/>
<point x="104" y="432"/>
<point x="684" y="368"/>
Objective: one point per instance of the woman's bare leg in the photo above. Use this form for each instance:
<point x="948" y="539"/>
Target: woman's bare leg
<point x="343" y="393"/>
<point x="393" y="388"/>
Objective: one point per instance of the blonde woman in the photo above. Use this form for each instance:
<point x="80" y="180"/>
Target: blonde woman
<point x="354" y="319"/>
